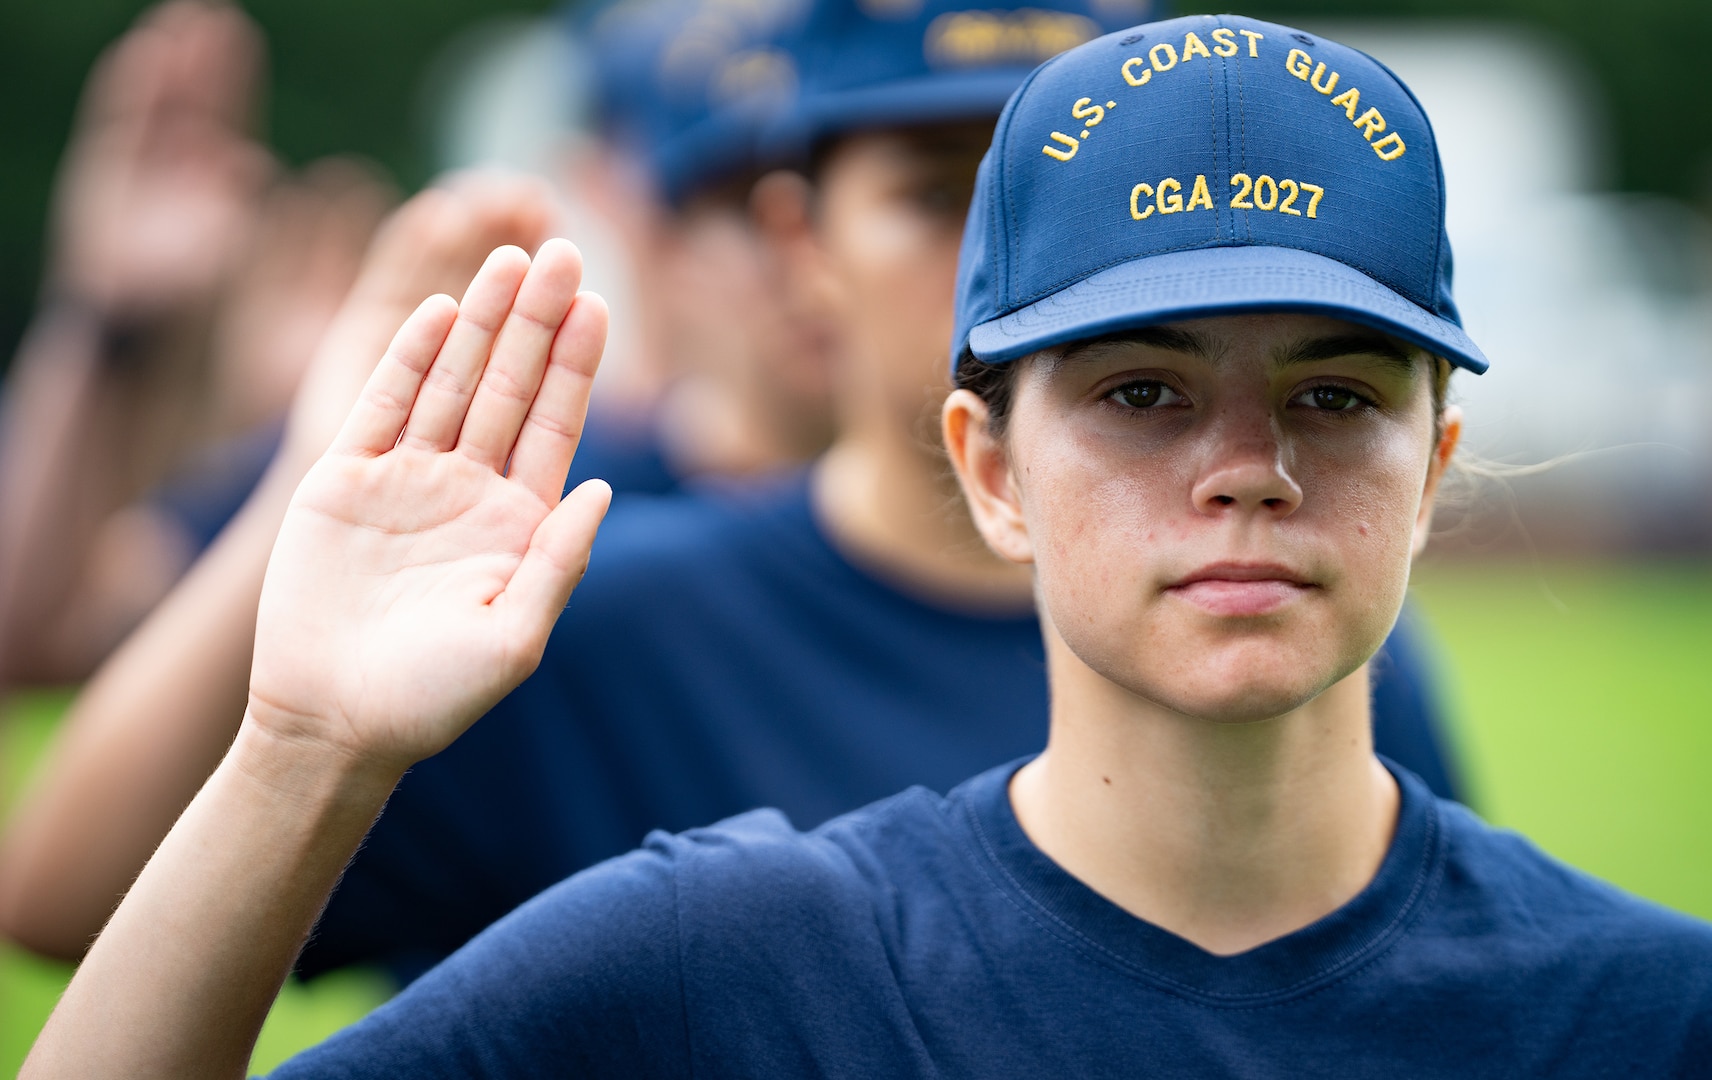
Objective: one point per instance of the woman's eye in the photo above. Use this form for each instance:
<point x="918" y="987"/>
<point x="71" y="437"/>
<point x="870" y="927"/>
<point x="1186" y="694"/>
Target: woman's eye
<point x="1331" y="399"/>
<point x="1145" y="395"/>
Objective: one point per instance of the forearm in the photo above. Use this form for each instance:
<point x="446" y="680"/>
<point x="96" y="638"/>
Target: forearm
<point x="180" y="980"/>
<point x="138" y="743"/>
<point x="91" y="423"/>
<point x="48" y="424"/>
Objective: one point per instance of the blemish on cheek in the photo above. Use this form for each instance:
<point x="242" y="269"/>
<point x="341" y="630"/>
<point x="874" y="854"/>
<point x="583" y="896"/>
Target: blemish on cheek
<point x="1107" y="779"/>
<point x="1363" y="529"/>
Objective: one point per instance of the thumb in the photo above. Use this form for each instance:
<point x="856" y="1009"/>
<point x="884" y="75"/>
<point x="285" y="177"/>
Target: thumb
<point x="557" y="557"/>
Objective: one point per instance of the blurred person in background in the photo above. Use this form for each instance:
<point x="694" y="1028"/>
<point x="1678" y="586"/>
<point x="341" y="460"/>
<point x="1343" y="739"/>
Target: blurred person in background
<point x="165" y="698"/>
<point x="187" y="283"/>
<point x="732" y="382"/>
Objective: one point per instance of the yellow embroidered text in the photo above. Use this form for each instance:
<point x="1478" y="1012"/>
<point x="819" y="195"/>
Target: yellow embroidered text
<point x="1370" y="123"/>
<point x="1090" y="114"/>
<point x="1167" y="198"/>
<point x="1138" y="70"/>
<point x="1265" y="193"/>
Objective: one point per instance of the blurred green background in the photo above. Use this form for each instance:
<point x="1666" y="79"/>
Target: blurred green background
<point x="1582" y="692"/>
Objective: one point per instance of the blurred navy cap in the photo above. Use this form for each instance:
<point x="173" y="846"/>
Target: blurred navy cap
<point x="886" y="63"/>
<point x="1208" y="165"/>
<point x="685" y="85"/>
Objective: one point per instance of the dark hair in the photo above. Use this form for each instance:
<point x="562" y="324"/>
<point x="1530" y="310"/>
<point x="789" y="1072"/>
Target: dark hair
<point x="995" y="384"/>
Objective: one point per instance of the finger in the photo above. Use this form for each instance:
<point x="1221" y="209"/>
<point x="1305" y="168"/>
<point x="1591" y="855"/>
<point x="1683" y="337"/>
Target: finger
<point x="554" y="425"/>
<point x="557" y="557"/>
<point x="445" y="395"/>
<point x="223" y="60"/>
<point x="127" y="80"/>
<point x="384" y="406"/>
<point x="520" y="355"/>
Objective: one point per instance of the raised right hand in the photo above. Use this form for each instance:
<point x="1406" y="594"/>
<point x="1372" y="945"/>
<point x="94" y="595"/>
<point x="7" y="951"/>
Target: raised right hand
<point x="426" y="556"/>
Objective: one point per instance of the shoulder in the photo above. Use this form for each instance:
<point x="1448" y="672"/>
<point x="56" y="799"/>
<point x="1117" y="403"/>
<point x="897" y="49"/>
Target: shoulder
<point x="1542" y="904"/>
<point x="757" y="868"/>
<point x="584" y="980"/>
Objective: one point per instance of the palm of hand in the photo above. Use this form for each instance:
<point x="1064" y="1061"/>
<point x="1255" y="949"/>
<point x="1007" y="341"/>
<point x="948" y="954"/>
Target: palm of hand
<point x="414" y="582"/>
<point x="406" y="628"/>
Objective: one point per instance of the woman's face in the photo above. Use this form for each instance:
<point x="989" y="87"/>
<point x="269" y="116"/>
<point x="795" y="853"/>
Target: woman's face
<point x="1221" y="512"/>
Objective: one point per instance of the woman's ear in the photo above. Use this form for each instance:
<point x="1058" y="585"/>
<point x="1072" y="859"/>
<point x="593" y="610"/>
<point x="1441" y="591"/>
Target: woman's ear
<point x="984" y="471"/>
<point x="1450" y="433"/>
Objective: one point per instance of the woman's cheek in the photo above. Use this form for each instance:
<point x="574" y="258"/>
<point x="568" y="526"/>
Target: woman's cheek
<point x="1096" y="538"/>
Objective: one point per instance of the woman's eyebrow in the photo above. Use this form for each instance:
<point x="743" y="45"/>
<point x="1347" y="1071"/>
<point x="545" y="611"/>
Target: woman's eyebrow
<point x="1375" y="345"/>
<point x="1168" y="338"/>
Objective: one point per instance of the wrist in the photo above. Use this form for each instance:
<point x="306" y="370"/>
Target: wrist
<point x="124" y="337"/>
<point x="308" y="772"/>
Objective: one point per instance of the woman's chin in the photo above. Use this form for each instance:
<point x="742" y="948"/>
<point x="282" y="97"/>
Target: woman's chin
<point x="1243" y="692"/>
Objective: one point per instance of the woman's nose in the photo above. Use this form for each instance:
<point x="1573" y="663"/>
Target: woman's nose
<point x="1246" y="473"/>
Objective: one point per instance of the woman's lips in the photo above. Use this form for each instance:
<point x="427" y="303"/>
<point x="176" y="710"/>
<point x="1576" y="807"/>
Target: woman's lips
<point x="1240" y="590"/>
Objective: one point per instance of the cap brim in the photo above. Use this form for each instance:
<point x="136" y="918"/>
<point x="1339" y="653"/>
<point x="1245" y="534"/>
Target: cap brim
<point x="1217" y="281"/>
<point x="926" y="99"/>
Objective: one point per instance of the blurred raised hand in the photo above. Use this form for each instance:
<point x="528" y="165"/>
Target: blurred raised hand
<point x="156" y="202"/>
<point x="161" y="183"/>
<point x="314" y="229"/>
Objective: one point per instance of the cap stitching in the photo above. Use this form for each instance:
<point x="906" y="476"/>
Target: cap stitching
<point x="1239" y="131"/>
<point x="1213" y="123"/>
<point x="1001" y="143"/>
<point x="1433" y="275"/>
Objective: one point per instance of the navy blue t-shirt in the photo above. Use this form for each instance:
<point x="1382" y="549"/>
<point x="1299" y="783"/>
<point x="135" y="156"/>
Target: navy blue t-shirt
<point x="927" y="936"/>
<point x="720" y="655"/>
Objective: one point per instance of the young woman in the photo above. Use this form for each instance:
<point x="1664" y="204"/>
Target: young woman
<point x="1216" y="442"/>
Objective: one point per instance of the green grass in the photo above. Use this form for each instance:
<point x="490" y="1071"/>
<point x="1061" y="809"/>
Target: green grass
<point x="1583" y="696"/>
<point x="1583" y="704"/>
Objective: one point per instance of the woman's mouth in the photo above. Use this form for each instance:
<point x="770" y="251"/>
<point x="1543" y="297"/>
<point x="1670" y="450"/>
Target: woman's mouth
<point x="1242" y="590"/>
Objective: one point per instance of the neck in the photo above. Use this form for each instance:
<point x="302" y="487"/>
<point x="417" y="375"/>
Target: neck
<point x="892" y="506"/>
<point x="1227" y="835"/>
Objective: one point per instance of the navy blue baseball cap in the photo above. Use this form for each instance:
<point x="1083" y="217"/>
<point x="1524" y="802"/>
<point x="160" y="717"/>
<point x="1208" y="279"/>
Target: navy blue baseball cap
<point x="687" y="85"/>
<point x="1207" y="165"/>
<point x="884" y="63"/>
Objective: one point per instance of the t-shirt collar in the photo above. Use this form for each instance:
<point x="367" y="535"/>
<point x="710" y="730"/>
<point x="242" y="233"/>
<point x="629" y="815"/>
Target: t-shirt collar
<point x="1298" y="963"/>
